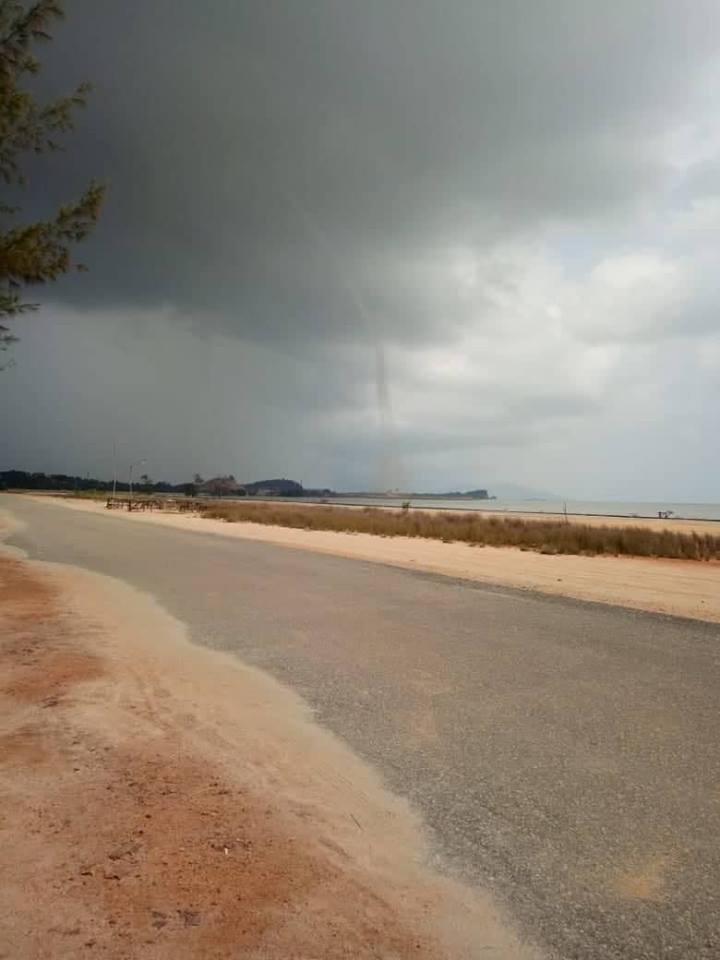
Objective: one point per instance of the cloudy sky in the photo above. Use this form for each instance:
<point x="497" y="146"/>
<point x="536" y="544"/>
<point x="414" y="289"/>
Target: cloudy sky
<point x="374" y="243"/>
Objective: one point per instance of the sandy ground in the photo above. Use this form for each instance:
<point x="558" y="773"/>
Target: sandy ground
<point x="158" y="800"/>
<point x="678" y="587"/>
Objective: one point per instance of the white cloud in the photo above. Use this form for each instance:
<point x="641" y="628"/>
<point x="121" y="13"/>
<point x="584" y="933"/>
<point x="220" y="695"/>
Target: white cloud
<point x="630" y="296"/>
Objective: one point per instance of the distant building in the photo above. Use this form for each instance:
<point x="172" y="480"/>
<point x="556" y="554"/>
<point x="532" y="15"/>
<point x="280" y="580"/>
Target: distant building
<point x="222" y="487"/>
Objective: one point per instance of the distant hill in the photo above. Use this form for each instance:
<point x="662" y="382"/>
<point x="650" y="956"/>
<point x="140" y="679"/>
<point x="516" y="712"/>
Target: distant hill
<point x="277" y="488"/>
<point x="229" y="487"/>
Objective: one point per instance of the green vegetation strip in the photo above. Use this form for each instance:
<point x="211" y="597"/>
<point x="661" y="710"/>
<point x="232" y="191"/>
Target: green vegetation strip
<point x="543" y="536"/>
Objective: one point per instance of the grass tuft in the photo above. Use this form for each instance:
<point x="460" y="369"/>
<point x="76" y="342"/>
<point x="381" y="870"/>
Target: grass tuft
<point x="543" y="536"/>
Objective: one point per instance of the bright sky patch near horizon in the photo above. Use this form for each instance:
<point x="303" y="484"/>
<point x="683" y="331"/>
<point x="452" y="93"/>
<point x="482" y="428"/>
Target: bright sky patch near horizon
<point x="380" y="243"/>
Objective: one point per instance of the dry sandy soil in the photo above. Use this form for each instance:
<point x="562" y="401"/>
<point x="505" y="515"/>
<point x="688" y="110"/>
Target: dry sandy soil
<point x="680" y="587"/>
<point x="160" y="801"/>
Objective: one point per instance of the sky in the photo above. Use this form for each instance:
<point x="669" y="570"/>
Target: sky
<point x="375" y="244"/>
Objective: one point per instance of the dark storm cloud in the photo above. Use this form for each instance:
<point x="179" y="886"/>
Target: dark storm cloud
<point x="384" y="242"/>
<point x="272" y="163"/>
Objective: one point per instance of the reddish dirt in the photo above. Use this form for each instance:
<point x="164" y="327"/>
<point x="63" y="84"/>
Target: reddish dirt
<point x="132" y="847"/>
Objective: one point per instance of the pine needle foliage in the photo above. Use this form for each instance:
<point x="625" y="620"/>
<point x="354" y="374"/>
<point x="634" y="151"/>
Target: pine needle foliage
<point x="39" y="252"/>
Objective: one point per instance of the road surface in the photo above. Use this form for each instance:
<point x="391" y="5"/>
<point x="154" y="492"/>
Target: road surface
<point x="564" y="754"/>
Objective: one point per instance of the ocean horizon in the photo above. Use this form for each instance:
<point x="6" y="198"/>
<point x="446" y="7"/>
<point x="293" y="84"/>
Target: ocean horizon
<point x="601" y="508"/>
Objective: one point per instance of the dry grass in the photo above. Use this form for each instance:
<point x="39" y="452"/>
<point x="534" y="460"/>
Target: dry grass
<point x="543" y="536"/>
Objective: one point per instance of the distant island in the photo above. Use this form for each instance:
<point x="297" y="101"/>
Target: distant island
<point x="454" y="495"/>
<point x="400" y="495"/>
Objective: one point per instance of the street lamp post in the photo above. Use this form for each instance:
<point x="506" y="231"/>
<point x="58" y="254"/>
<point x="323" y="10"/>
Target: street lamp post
<point x="135" y="464"/>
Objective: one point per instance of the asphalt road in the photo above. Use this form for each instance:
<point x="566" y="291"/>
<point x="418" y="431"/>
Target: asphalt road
<point x="565" y="754"/>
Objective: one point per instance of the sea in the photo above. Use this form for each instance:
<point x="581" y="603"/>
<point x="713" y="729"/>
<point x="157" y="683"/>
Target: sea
<point x="587" y="508"/>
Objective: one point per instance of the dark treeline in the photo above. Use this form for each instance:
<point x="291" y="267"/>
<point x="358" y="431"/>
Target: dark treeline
<point x="215" y="487"/>
<point x="23" y="480"/>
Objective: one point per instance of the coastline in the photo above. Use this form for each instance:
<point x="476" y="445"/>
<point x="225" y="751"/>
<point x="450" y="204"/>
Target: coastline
<point x="675" y="587"/>
<point x="675" y="524"/>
